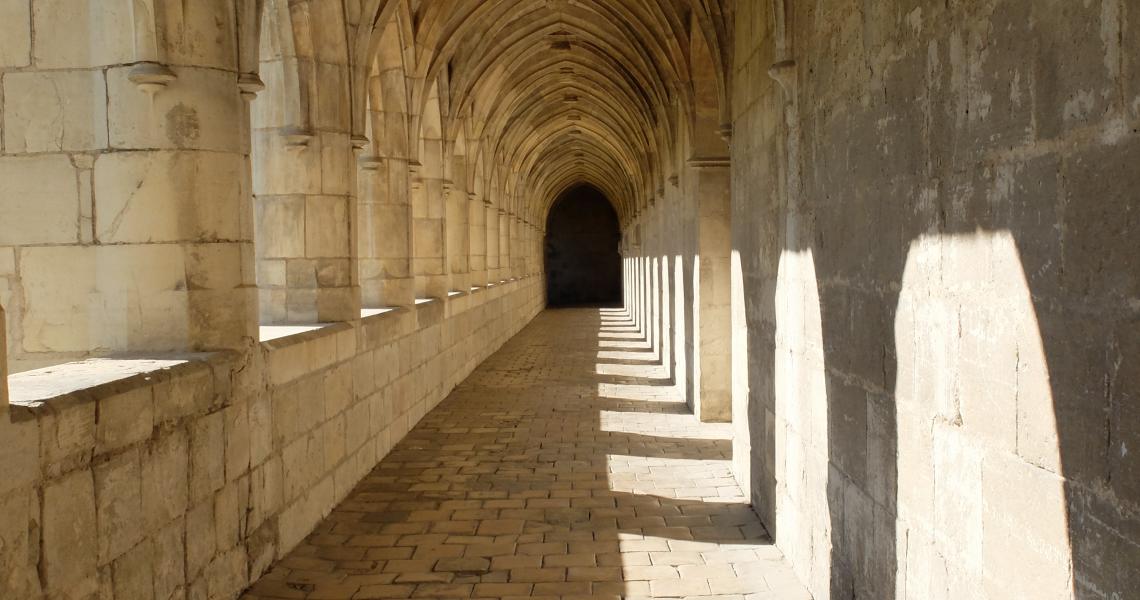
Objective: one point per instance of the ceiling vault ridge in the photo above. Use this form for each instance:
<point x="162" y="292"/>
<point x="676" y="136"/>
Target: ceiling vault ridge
<point x="549" y="94"/>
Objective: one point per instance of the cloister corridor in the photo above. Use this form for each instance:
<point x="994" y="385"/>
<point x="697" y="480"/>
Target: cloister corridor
<point x="733" y="299"/>
<point x="566" y="465"/>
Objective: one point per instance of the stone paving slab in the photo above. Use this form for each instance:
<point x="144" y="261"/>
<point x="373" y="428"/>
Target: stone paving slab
<point x="554" y="471"/>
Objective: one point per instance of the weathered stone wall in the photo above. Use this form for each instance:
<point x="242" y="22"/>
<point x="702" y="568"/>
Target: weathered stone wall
<point x="189" y="481"/>
<point x="111" y="238"/>
<point x="934" y="215"/>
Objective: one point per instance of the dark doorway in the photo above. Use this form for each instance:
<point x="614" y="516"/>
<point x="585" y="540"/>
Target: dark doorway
<point x="582" y="261"/>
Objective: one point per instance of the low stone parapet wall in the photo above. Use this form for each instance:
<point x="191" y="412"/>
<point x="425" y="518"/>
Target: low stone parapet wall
<point x="129" y="478"/>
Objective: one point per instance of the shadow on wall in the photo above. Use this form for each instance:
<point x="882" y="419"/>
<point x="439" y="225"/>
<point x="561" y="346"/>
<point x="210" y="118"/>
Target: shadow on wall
<point x="943" y="324"/>
<point x="979" y="369"/>
<point x="582" y="261"/>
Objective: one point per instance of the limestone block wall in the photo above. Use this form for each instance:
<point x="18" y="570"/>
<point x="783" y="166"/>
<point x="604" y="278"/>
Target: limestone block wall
<point x="188" y="477"/>
<point x="934" y="224"/>
<point x="104" y="208"/>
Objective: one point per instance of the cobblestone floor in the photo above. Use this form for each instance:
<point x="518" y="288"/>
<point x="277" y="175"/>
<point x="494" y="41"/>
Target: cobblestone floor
<point x="565" y="466"/>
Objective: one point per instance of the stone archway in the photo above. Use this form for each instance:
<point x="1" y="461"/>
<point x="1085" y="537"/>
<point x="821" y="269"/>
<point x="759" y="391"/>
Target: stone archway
<point x="581" y="256"/>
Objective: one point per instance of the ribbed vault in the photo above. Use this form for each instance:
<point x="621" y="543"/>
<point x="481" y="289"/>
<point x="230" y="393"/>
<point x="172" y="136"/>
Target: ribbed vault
<point x="537" y="96"/>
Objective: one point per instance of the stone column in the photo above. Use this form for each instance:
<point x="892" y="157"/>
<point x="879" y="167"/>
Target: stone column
<point x="492" y="218"/>
<point x="639" y="276"/>
<point x="124" y="181"/>
<point x="635" y="272"/>
<point x="305" y="228"/>
<point x="458" y="232"/>
<point x="626" y="287"/>
<point x="429" y="217"/>
<point x="3" y="364"/>
<point x="518" y="253"/>
<point x="304" y="184"/>
<point x="710" y="180"/>
<point x="659" y="234"/>
<point x="504" y="270"/>
<point x="536" y="258"/>
<point x="668" y="239"/>
<point x="385" y="246"/>
<point x="651" y="243"/>
<point x="477" y="224"/>
<point x="626" y="269"/>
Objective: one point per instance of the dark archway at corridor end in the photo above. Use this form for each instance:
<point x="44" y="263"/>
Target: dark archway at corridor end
<point x="583" y="265"/>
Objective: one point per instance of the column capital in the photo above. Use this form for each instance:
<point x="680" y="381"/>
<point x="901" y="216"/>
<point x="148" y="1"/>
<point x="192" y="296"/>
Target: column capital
<point x="250" y="85"/>
<point x="151" y="77"/>
<point x="359" y="142"/>
<point x="370" y="162"/>
<point x="297" y="137"/>
<point x="784" y="72"/>
<point x="710" y="162"/>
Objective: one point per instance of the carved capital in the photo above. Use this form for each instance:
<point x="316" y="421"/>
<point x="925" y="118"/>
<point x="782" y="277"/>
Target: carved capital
<point x="151" y="77"/>
<point x="710" y="162"/>
<point x="297" y="138"/>
<point x="250" y="85"/>
<point x="359" y="142"/>
<point x="784" y="72"/>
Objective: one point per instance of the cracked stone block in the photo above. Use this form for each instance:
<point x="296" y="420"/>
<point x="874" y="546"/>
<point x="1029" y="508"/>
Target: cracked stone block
<point x="150" y="196"/>
<point x="54" y="111"/>
<point x="118" y="498"/>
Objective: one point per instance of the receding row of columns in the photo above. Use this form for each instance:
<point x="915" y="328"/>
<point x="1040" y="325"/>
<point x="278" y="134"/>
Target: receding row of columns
<point x="133" y="226"/>
<point x="676" y="255"/>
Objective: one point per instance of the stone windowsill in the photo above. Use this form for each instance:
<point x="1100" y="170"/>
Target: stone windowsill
<point x="268" y="333"/>
<point x="299" y="334"/>
<point x="96" y="378"/>
<point x="366" y="313"/>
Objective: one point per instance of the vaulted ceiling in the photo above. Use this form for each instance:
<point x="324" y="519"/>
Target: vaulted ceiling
<point x="542" y="95"/>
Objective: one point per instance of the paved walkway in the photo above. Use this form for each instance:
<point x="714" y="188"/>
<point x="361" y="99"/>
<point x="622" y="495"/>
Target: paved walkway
<point x="565" y="466"/>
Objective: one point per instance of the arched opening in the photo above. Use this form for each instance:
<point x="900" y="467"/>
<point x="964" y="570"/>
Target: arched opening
<point x="582" y="261"/>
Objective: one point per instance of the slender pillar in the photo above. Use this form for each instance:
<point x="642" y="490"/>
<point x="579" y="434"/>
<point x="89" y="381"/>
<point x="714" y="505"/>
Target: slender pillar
<point x="653" y="330"/>
<point x="504" y="270"/>
<point x="713" y="328"/>
<point x="477" y="223"/>
<point x="429" y="213"/>
<point x="385" y="244"/>
<point x="667" y="242"/>
<point x="518" y="255"/>
<point x="304" y="184"/>
<point x="458" y="232"/>
<point x="493" y="253"/>
<point x="3" y="364"/>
